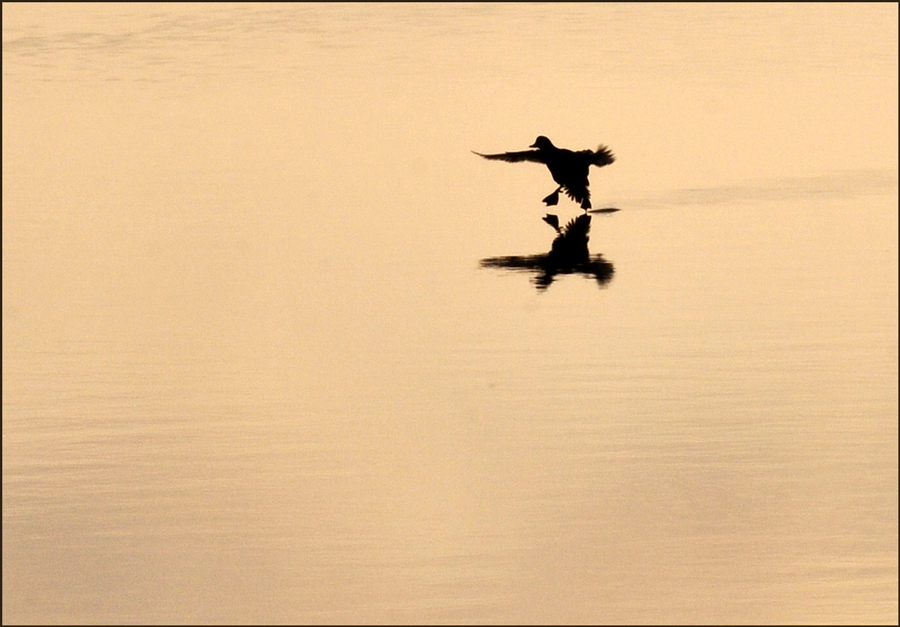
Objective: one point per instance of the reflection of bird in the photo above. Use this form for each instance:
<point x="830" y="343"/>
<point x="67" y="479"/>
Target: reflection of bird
<point x="570" y="247"/>
<point x="568" y="254"/>
<point x="568" y="168"/>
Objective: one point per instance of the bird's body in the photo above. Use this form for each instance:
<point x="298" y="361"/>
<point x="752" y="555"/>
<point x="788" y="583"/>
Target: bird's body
<point x="568" y="168"/>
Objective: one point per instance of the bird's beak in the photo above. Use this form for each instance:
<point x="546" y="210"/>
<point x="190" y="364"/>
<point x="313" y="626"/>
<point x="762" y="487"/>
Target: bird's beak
<point x="533" y="145"/>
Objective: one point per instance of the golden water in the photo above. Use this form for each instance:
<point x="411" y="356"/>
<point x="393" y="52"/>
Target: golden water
<point x="254" y="370"/>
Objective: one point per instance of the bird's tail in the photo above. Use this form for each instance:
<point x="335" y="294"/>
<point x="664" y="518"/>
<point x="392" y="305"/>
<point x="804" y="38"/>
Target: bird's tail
<point x="602" y="156"/>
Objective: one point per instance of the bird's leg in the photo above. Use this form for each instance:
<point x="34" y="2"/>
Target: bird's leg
<point x="553" y="198"/>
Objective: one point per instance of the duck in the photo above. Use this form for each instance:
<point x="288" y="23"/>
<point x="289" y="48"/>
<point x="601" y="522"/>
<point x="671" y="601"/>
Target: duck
<point x="568" y="168"/>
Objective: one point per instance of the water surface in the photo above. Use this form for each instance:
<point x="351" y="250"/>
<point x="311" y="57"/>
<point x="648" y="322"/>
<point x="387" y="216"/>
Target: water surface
<point x="255" y="371"/>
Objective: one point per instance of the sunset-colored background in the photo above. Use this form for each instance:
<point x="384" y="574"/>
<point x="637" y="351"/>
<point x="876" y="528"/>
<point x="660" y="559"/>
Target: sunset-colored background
<point x="254" y="370"/>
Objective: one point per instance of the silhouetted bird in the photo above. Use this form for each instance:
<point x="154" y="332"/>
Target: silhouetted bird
<point x="569" y="168"/>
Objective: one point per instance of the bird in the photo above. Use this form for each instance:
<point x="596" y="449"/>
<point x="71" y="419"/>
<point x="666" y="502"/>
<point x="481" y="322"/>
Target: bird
<point x="569" y="168"/>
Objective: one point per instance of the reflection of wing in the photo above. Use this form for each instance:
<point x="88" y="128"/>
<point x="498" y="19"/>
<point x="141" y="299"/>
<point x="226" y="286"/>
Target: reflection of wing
<point x="513" y="157"/>
<point x="578" y="226"/>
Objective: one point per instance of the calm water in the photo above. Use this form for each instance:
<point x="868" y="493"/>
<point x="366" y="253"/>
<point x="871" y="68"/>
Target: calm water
<point x="254" y="370"/>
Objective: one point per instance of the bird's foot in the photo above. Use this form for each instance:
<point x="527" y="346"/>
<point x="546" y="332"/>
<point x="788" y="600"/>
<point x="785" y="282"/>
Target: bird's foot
<point x="552" y="199"/>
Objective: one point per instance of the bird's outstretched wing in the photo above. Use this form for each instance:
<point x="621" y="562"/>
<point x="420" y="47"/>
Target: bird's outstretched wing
<point x="513" y="157"/>
<point x="602" y="156"/>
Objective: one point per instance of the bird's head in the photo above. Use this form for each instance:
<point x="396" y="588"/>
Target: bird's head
<point x="542" y="143"/>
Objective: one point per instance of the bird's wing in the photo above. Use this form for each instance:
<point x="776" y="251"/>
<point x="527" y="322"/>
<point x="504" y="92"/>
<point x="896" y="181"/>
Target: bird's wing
<point x="602" y="156"/>
<point x="579" y="194"/>
<point x="513" y="157"/>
